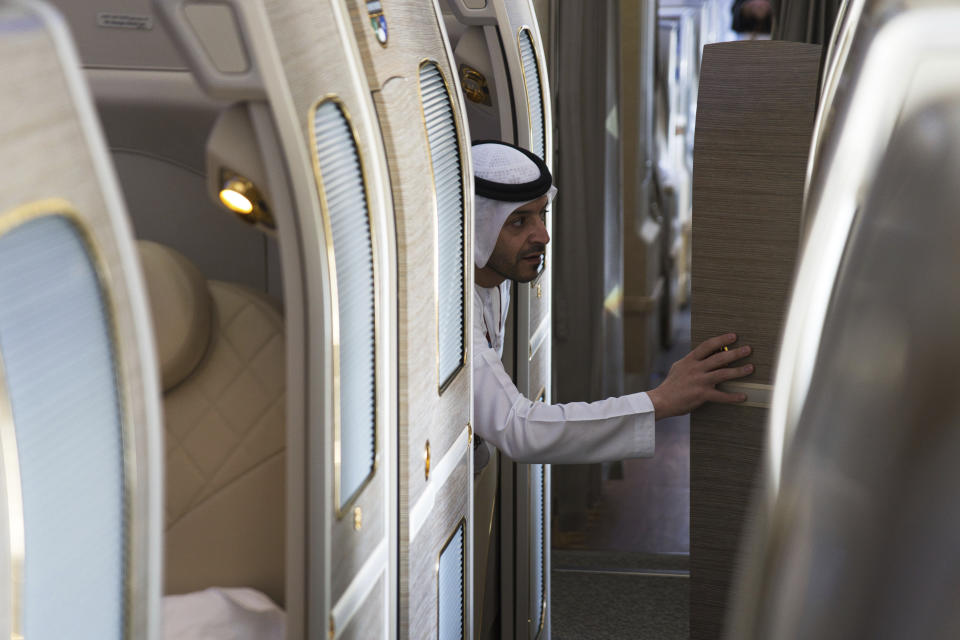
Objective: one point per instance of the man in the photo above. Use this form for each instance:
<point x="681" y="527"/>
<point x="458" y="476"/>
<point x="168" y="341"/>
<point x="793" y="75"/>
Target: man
<point x="513" y="189"/>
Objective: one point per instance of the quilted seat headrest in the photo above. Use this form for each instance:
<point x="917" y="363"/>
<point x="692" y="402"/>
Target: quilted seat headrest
<point x="181" y="307"/>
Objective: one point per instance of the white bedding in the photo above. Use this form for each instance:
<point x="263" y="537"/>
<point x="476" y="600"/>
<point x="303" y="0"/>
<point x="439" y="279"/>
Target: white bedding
<point x="222" y="614"/>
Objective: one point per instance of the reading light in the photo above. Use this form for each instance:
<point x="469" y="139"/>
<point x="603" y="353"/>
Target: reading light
<point x="239" y="195"/>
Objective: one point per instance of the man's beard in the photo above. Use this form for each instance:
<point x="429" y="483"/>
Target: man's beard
<point x="513" y="272"/>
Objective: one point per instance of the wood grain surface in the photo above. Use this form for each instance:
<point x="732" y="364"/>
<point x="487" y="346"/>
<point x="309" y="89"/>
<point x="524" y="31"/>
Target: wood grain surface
<point x="393" y="72"/>
<point x="316" y="64"/>
<point x="754" y="124"/>
<point x="368" y="620"/>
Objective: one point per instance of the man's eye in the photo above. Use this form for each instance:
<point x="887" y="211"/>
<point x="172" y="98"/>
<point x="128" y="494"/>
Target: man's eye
<point x="517" y="222"/>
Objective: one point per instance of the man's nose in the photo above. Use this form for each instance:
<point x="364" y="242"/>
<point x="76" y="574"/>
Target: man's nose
<point x="540" y="234"/>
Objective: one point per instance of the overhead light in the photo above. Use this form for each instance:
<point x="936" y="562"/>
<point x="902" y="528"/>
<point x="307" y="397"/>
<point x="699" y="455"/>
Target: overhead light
<point x="240" y="195"/>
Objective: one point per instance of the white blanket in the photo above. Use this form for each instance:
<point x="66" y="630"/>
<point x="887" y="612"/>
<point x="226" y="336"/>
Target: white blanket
<point x="222" y="614"/>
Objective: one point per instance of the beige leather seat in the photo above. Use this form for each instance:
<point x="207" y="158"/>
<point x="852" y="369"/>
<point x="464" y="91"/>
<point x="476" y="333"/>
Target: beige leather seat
<point x="221" y="352"/>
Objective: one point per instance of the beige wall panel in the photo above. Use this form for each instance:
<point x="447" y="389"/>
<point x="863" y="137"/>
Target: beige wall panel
<point x="414" y="34"/>
<point x="368" y="620"/>
<point x="452" y="505"/>
<point x="424" y="413"/>
<point x="346" y="535"/>
<point x="754" y="123"/>
<point x="49" y="155"/>
<point x="303" y="30"/>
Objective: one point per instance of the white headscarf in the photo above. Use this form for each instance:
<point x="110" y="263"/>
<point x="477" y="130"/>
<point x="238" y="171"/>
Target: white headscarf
<point x="503" y="164"/>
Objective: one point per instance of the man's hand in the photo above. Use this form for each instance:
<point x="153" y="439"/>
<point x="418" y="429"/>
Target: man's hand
<point x="692" y="380"/>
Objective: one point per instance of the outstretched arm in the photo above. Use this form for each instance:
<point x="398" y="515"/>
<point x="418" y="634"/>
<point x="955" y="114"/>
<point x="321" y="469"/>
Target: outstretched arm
<point x="576" y="432"/>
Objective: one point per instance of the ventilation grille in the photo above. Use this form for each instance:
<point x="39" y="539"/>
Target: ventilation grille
<point x="531" y="79"/>
<point x="448" y="186"/>
<point x="450" y="594"/>
<point x="342" y="184"/>
<point x="57" y="350"/>
<point x="537" y="474"/>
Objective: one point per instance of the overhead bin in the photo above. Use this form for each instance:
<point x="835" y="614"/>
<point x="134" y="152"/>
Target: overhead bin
<point x="80" y="429"/>
<point x="500" y="61"/>
<point x="859" y="522"/>
<point x="409" y="69"/>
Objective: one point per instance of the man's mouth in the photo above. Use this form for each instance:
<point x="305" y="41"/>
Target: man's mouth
<point x="536" y="257"/>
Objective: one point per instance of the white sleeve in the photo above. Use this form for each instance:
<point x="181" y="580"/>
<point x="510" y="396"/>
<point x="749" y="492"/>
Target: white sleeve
<point x="577" y="432"/>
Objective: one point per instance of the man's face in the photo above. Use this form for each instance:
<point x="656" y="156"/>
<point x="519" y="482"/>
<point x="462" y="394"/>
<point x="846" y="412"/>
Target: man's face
<point x="519" y="252"/>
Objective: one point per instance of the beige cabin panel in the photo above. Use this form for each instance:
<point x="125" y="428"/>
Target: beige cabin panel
<point x="425" y="414"/>
<point x="423" y="594"/>
<point x="316" y="71"/>
<point x="369" y="618"/>
<point x="54" y="150"/>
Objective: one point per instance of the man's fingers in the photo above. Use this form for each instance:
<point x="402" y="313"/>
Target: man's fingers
<point x="723" y="358"/>
<point x="722" y="397"/>
<point x="730" y="373"/>
<point x="708" y="347"/>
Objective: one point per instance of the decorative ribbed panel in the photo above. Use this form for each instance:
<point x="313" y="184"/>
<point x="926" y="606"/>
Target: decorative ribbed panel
<point x="450" y="595"/>
<point x="531" y="79"/>
<point x="537" y="472"/>
<point x="341" y="178"/>
<point x="57" y="348"/>
<point x="448" y="189"/>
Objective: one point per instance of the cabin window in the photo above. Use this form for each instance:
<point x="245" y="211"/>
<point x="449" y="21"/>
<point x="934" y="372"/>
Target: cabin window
<point x="531" y="80"/>
<point x="441" y="126"/>
<point x="57" y="353"/>
<point x="351" y="251"/>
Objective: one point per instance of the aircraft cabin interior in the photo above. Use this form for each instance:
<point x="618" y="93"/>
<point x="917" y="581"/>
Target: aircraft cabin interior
<point x="240" y="292"/>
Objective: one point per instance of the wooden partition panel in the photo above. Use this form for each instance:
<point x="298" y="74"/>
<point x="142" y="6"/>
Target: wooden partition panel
<point x="435" y="435"/>
<point x="754" y="123"/>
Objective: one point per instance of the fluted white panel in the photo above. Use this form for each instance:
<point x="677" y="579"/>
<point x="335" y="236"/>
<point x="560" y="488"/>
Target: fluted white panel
<point x="341" y="178"/>
<point x="450" y="584"/>
<point x="58" y="352"/>
<point x="448" y="189"/>
<point x="531" y="78"/>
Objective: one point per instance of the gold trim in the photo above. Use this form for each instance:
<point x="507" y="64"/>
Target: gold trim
<point x="426" y="461"/>
<point x="341" y="510"/>
<point x="357" y="518"/>
<point x="442" y="386"/>
<point x="133" y="568"/>
<point x="461" y="524"/>
<point x="526" y="92"/>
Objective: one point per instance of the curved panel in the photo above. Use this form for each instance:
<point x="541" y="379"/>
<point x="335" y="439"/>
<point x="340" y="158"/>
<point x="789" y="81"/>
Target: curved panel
<point x="340" y="175"/>
<point x="56" y="340"/>
<point x="861" y="539"/>
<point x="531" y="80"/>
<point x="448" y="189"/>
